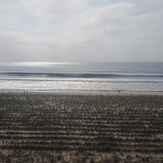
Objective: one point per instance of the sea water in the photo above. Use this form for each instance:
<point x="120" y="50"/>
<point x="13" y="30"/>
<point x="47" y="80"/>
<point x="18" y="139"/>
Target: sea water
<point x="79" y="77"/>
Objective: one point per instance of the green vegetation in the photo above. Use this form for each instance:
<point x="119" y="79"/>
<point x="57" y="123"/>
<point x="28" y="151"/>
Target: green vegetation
<point x="81" y="123"/>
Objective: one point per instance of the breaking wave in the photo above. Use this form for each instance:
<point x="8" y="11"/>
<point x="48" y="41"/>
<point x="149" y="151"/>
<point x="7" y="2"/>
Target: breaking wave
<point x="88" y="75"/>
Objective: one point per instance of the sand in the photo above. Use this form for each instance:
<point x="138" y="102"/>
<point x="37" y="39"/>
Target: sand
<point x="84" y="93"/>
<point x="107" y="93"/>
<point x="93" y="120"/>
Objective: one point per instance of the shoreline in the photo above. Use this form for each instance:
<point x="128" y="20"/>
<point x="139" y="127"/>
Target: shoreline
<point x="82" y="93"/>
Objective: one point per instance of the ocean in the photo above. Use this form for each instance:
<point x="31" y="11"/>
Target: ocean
<point x="81" y="77"/>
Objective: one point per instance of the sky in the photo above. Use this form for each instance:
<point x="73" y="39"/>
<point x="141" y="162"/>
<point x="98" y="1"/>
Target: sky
<point x="81" y="30"/>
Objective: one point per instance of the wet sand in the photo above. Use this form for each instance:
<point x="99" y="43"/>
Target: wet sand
<point x="84" y="93"/>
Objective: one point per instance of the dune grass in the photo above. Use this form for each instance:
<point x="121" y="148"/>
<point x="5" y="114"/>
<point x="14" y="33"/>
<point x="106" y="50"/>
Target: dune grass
<point x="81" y="128"/>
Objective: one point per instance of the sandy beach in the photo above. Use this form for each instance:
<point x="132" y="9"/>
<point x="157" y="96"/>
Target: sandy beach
<point x="121" y="93"/>
<point x="108" y="93"/>
<point x="81" y="127"/>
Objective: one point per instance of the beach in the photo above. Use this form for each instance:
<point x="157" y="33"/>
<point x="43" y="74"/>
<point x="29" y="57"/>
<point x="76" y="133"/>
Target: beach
<point x="81" y="81"/>
<point x="106" y="93"/>
<point x="81" y="126"/>
<point x="111" y="93"/>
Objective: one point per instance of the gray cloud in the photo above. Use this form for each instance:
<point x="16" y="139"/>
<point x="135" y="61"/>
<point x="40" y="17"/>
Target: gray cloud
<point x="58" y="30"/>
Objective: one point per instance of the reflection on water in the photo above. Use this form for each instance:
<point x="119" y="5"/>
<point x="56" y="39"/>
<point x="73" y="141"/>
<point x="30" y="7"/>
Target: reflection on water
<point x="67" y="76"/>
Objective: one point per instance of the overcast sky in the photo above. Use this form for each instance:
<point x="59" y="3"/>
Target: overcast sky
<point x="81" y="30"/>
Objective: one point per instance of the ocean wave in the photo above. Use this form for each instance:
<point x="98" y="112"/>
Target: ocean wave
<point x="85" y="81"/>
<point x="87" y="75"/>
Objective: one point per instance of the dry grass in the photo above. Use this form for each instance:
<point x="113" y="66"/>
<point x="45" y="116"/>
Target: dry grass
<point x="81" y="128"/>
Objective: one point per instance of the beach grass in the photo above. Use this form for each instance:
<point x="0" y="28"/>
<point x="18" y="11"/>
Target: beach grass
<point x="81" y="128"/>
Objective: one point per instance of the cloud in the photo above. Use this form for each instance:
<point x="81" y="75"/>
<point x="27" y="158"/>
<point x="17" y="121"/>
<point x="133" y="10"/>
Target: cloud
<point x="119" y="35"/>
<point x="94" y="22"/>
<point x="59" y="30"/>
<point x="49" y="9"/>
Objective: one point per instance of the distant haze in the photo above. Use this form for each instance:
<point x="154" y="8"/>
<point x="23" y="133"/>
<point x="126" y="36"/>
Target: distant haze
<point x="81" y="30"/>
